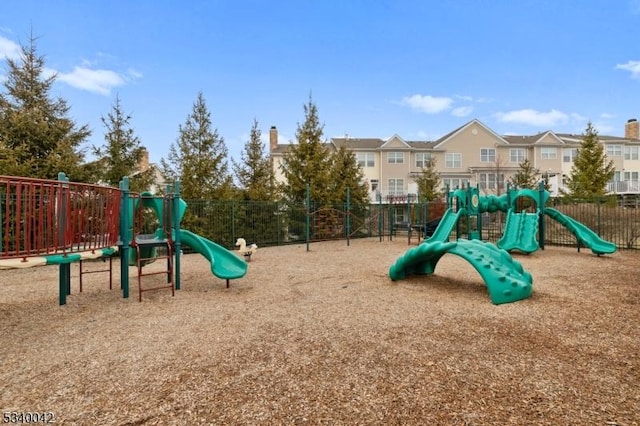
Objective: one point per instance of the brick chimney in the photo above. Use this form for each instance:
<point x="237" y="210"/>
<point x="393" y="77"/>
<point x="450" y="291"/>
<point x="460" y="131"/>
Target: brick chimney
<point x="143" y="164"/>
<point x="631" y="129"/>
<point x="273" y="138"/>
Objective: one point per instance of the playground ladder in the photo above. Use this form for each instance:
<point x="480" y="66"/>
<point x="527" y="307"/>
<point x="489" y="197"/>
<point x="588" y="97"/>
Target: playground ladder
<point x="141" y="261"/>
<point x="109" y="270"/>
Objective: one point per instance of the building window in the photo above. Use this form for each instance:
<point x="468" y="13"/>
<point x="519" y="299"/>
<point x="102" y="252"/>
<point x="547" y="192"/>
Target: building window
<point x="614" y="150"/>
<point x="569" y="155"/>
<point x="396" y="186"/>
<point x="374" y="184"/>
<point x="487" y="155"/>
<point x="398" y="213"/>
<point x="423" y="159"/>
<point x="453" y="183"/>
<point x="631" y="176"/>
<point x="517" y="155"/>
<point x="365" y="159"/>
<point x="547" y="153"/>
<point x="490" y="180"/>
<point x="631" y="152"/>
<point x="395" y="157"/>
<point x="453" y="160"/>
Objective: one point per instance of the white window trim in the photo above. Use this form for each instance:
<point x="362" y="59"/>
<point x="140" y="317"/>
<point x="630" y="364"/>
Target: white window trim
<point x="397" y="155"/>
<point x="366" y="157"/>
<point x="457" y="159"/>
<point x="426" y="157"/>
<point x="549" y="151"/>
<point x="519" y="150"/>
<point x="486" y="158"/>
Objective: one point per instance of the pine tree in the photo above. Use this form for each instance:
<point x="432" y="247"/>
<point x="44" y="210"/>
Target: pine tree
<point x="254" y="170"/>
<point x="591" y="171"/>
<point x="199" y="158"/>
<point x="37" y="138"/>
<point x="257" y="219"/>
<point x="346" y="173"/>
<point x="429" y="182"/>
<point x="526" y="176"/>
<point x="307" y="162"/>
<point x="122" y="153"/>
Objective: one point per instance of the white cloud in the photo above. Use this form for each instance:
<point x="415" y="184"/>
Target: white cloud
<point x="577" y="118"/>
<point x="9" y="49"/>
<point x="427" y="104"/>
<point x="96" y="81"/>
<point x="632" y="66"/>
<point x="604" y="128"/>
<point x="465" y="98"/>
<point x="534" y="118"/>
<point x="134" y="73"/>
<point x="462" y="111"/>
<point x="606" y="115"/>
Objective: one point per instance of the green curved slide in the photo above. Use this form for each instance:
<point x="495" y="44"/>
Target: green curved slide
<point x="224" y="263"/>
<point x="584" y="235"/>
<point x="520" y="232"/>
<point x="446" y="225"/>
<point x="506" y="279"/>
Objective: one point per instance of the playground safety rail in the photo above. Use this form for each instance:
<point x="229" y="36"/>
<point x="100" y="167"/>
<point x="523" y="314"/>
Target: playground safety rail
<point x="41" y="217"/>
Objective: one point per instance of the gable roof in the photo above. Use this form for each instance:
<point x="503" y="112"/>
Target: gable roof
<point x="395" y="137"/>
<point x="536" y="139"/>
<point x="443" y="140"/>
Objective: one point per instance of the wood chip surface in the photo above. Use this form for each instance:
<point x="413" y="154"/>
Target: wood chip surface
<point x="325" y="337"/>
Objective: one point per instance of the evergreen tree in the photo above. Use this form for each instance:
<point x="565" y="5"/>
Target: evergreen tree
<point x="257" y="219"/>
<point x="307" y="162"/>
<point x="37" y="138"/>
<point x="199" y="158"/>
<point x="429" y="182"/>
<point x="526" y="176"/>
<point x="122" y="153"/>
<point x="254" y="170"/>
<point x="346" y="173"/>
<point x="591" y="171"/>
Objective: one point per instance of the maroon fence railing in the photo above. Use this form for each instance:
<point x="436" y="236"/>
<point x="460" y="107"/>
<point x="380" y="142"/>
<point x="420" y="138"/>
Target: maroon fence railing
<point x="43" y="217"/>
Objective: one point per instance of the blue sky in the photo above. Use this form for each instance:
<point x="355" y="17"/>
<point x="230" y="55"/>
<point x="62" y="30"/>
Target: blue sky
<point x="418" y="69"/>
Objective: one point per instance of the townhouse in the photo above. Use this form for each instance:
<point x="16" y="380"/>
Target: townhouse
<point x="473" y="154"/>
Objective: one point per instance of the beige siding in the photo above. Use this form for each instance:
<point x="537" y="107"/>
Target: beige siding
<point x="277" y="160"/>
<point x="371" y="173"/>
<point x="468" y="142"/>
<point x="504" y="153"/>
<point x="544" y="164"/>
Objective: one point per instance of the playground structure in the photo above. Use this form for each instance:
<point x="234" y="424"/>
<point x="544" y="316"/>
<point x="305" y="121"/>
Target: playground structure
<point x="506" y="279"/>
<point x="58" y="222"/>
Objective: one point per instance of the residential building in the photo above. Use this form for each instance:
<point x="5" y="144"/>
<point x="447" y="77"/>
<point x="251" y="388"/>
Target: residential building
<point x="473" y="154"/>
<point x="158" y="182"/>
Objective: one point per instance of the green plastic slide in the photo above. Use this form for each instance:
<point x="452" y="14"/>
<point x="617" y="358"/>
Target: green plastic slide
<point x="446" y="225"/>
<point x="506" y="279"/>
<point x="224" y="263"/>
<point x="584" y="235"/>
<point x="520" y="232"/>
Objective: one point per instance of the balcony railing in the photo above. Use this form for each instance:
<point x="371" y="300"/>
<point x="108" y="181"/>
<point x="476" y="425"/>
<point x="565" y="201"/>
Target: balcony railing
<point x="392" y="197"/>
<point x="624" y="187"/>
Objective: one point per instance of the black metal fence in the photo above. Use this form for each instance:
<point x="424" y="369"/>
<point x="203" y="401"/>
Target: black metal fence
<point x="272" y="223"/>
<point x="612" y="219"/>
